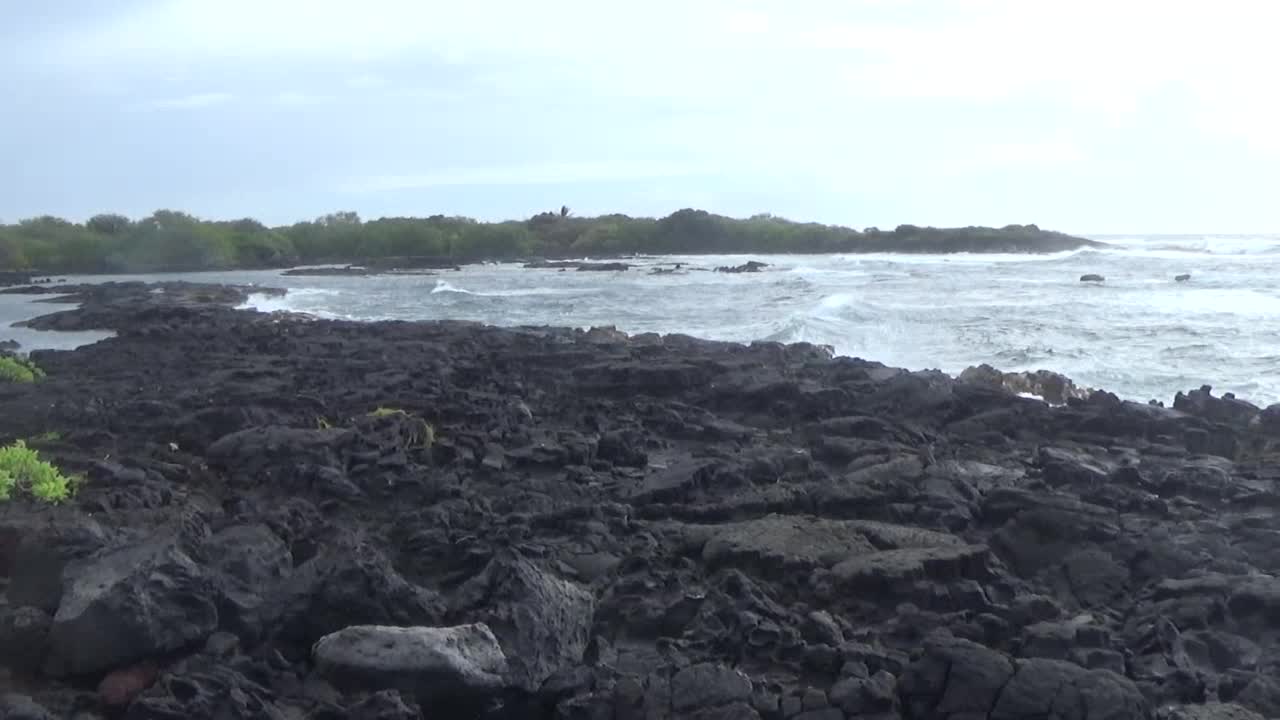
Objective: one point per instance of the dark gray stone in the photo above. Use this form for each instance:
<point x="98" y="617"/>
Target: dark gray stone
<point x="462" y="664"/>
<point x="134" y="603"/>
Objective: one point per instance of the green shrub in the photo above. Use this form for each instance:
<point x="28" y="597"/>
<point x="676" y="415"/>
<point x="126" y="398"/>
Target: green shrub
<point x="17" y="370"/>
<point x="386" y="412"/>
<point x="51" y="436"/>
<point x="22" y="468"/>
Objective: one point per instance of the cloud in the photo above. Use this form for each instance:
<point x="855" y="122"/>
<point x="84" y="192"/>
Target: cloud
<point x="294" y="98"/>
<point x="535" y="174"/>
<point x="187" y="102"/>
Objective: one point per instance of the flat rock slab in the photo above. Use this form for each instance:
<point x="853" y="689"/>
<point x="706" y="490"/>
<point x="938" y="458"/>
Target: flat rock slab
<point x="789" y="540"/>
<point x="890" y="567"/>
<point x="802" y="541"/>
<point x="430" y="663"/>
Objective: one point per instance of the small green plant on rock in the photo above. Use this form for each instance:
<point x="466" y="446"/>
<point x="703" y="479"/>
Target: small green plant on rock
<point x="17" y="370"/>
<point x="22" y="468"/>
<point x="51" y="436"/>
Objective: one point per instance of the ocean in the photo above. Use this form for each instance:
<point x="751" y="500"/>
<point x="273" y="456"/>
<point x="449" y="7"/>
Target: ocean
<point x="1140" y="334"/>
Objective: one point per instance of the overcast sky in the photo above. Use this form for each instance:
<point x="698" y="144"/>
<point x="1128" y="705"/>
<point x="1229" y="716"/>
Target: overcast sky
<point x="1088" y="116"/>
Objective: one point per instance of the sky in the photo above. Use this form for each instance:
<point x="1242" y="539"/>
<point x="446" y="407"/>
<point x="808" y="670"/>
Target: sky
<point x="1089" y="116"/>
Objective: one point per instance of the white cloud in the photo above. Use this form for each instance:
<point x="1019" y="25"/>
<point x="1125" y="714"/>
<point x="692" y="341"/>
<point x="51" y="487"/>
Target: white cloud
<point x="293" y="98"/>
<point x="1099" y="59"/>
<point x="541" y="174"/>
<point x="367" y="81"/>
<point x="187" y="102"/>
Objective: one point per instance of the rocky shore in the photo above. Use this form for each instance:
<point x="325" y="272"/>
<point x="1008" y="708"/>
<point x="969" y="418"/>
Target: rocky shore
<point x="284" y="517"/>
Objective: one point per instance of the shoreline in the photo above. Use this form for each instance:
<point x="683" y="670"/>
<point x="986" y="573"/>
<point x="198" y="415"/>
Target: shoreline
<point x="1043" y="383"/>
<point x="570" y="522"/>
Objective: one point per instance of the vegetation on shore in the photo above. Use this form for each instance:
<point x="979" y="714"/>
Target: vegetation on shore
<point x="22" y="469"/>
<point x="169" y="240"/>
<point x="17" y="370"/>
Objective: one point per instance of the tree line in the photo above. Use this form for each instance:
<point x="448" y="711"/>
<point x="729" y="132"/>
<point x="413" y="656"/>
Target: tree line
<point x="168" y="240"/>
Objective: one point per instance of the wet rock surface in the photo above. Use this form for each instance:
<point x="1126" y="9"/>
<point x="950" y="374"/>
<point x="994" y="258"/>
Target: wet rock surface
<point x="292" y="518"/>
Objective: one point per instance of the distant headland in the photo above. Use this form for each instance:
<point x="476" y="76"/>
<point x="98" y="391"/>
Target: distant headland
<point x="174" y="241"/>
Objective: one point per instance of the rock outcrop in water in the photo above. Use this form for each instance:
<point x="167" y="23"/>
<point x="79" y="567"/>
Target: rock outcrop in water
<point x="1092" y="278"/>
<point x="291" y="518"/>
<point x="751" y="266"/>
<point x="1053" y="387"/>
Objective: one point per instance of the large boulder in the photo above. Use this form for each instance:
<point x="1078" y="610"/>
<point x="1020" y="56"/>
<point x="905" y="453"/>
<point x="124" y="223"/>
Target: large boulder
<point x="440" y="667"/>
<point x="35" y="549"/>
<point x="276" y="454"/>
<point x="342" y="587"/>
<point x="1226" y="409"/>
<point x="958" y="678"/>
<point x="136" y="602"/>
<point x="542" y="621"/>
<point x="24" y="637"/>
<point x="247" y="562"/>
<point x="708" y="685"/>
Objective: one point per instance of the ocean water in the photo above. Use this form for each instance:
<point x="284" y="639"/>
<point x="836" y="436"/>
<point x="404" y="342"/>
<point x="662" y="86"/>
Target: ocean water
<point x="1140" y="335"/>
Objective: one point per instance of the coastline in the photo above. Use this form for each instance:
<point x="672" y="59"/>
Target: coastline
<point x="653" y="522"/>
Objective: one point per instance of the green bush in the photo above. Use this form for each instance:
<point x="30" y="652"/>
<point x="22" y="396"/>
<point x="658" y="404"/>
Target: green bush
<point x="22" y="468"/>
<point x="16" y="370"/>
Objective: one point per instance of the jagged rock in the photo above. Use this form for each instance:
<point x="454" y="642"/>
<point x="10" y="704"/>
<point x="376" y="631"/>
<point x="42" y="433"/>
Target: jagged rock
<point x="22" y="707"/>
<point x="874" y="695"/>
<point x="708" y="685"/>
<point x="248" y="561"/>
<point x="1261" y="695"/>
<point x="129" y="604"/>
<point x="206" y="688"/>
<point x="768" y="531"/>
<point x="351" y="586"/>
<point x="543" y="622"/>
<point x="279" y="454"/>
<point x="24" y="637"/>
<point x="1226" y="409"/>
<point x="958" y="677"/>
<point x="439" y="667"/>
<point x="385" y="705"/>
<point x="750" y="266"/>
<point x="893" y="567"/>
<point x="1208" y="711"/>
<point x="35" y="549"/>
